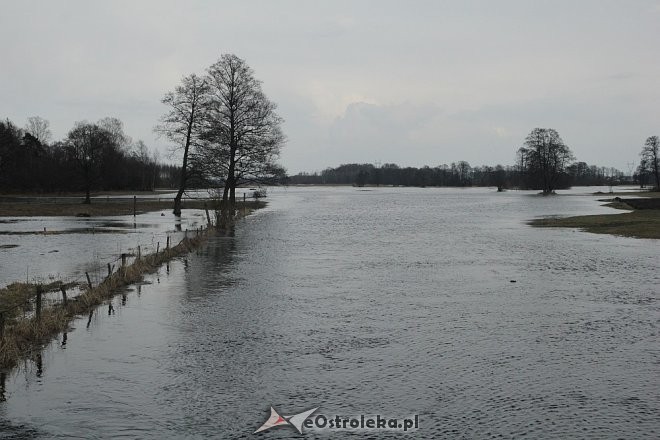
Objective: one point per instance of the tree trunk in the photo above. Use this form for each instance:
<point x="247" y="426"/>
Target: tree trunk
<point x="88" y="200"/>
<point x="177" y="202"/>
<point x="184" y="169"/>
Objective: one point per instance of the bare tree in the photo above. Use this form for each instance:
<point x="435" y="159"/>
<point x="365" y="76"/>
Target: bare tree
<point x="651" y="157"/>
<point x="85" y="146"/>
<point x="545" y="158"/>
<point x="182" y="124"/>
<point x="243" y="135"/>
<point x="115" y="128"/>
<point x="39" y="128"/>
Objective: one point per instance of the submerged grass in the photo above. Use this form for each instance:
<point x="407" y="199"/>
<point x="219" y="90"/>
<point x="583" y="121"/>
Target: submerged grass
<point x="22" y="336"/>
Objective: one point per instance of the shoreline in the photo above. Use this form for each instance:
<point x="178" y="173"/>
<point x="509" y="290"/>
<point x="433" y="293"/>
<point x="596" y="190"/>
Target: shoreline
<point x="107" y="208"/>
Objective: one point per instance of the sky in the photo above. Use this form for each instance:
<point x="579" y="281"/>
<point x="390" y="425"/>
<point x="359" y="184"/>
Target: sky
<point x="410" y="82"/>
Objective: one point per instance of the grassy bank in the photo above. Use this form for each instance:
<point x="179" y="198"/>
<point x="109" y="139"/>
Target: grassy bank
<point x="100" y="208"/>
<point x="642" y="193"/>
<point x="643" y="223"/>
<point x="24" y="331"/>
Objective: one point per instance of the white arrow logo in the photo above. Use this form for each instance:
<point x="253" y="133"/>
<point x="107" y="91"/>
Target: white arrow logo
<point x="295" y="420"/>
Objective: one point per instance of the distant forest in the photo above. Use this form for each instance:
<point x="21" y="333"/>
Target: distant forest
<point x="101" y="157"/>
<point x="93" y="156"/>
<point x="458" y="174"/>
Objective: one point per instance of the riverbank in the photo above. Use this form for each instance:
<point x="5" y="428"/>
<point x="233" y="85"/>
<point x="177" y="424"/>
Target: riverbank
<point x="32" y="314"/>
<point x="639" y="223"/>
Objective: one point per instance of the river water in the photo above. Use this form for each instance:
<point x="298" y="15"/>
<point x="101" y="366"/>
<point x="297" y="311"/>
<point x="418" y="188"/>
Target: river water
<point x="388" y="301"/>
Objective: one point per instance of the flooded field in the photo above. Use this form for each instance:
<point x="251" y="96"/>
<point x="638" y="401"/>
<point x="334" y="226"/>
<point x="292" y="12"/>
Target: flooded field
<point x="39" y="249"/>
<point x="440" y="303"/>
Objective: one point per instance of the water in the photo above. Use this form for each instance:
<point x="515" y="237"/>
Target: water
<point x="72" y="246"/>
<point x="391" y="301"/>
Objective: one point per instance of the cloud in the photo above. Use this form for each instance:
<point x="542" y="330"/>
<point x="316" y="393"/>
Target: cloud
<point x="356" y="81"/>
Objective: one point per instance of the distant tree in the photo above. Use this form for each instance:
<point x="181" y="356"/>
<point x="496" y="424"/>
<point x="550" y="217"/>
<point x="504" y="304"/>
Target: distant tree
<point x="10" y="153"/>
<point x="86" y="145"/>
<point x="39" y="128"/>
<point x="115" y="128"/>
<point x="642" y="173"/>
<point x="182" y="124"/>
<point x="143" y="157"/>
<point x="499" y="177"/>
<point x="651" y="156"/>
<point x="545" y="158"/>
<point x="463" y="170"/>
<point x="361" y="178"/>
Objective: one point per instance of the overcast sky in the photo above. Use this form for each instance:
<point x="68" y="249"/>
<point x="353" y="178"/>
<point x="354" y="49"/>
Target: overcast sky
<point x="410" y="82"/>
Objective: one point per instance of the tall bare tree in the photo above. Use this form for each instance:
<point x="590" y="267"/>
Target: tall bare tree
<point x="651" y="157"/>
<point x="545" y="158"/>
<point x="182" y="124"/>
<point x="243" y="135"/>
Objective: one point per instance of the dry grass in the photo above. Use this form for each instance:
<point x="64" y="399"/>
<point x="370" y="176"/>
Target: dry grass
<point x="23" y="336"/>
<point x="638" y="224"/>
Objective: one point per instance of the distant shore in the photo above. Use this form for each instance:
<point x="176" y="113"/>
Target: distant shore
<point x="66" y="207"/>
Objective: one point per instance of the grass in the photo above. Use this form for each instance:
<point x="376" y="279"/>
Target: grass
<point x="638" y="224"/>
<point x="22" y="336"/>
<point x="101" y="208"/>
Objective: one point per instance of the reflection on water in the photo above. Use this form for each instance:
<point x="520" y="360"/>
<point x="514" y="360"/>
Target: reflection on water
<point x="391" y="301"/>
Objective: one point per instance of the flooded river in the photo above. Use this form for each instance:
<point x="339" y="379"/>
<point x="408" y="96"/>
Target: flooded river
<point x="386" y="301"/>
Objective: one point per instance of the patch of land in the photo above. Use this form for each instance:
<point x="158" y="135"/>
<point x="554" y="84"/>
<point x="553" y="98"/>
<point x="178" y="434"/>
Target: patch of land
<point x="643" y="223"/>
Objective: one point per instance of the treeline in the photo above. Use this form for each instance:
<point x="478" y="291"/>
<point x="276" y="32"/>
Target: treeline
<point x="93" y="156"/>
<point x="456" y="174"/>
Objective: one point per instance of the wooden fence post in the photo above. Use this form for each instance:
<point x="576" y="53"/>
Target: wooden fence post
<point x="139" y="255"/>
<point x="89" y="281"/>
<point x="167" y="246"/>
<point x="134" y="205"/>
<point x="64" y="299"/>
<point x="37" y="311"/>
<point x="109" y="270"/>
<point x="208" y="217"/>
<point x="157" y="246"/>
<point x="123" y="260"/>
